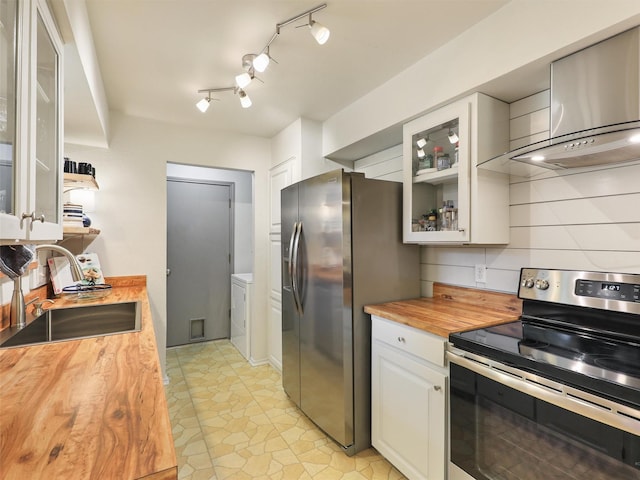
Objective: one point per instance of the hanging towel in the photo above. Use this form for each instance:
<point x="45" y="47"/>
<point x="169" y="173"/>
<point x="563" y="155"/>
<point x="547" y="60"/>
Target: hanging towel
<point x="14" y="259"/>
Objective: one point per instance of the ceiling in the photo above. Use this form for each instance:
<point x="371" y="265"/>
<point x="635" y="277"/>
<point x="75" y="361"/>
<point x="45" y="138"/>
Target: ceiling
<point x="154" y="55"/>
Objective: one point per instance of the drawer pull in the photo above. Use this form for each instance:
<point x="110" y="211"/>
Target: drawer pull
<point x="437" y="388"/>
<point x="401" y="340"/>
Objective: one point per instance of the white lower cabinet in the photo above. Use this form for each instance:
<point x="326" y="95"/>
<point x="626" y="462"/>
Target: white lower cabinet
<point x="408" y="399"/>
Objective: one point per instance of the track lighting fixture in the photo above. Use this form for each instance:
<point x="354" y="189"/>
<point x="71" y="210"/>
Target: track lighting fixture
<point x="319" y="31"/>
<point x="203" y="105"/>
<point x="259" y="62"/>
<point x="243" y="80"/>
<point x="421" y="143"/>
<point x="421" y="153"/>
<point x="245" y="101"/>
<point x="453" y="138"/>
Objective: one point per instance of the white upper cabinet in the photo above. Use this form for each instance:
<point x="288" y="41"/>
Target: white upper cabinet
<point x="446" y="198"/>
<point x="30" y="124"/>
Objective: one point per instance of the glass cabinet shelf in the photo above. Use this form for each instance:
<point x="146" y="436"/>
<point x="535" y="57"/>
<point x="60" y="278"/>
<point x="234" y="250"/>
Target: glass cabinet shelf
<point x="450" y="175"/>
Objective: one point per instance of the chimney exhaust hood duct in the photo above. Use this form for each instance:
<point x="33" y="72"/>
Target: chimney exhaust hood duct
<point x="595" y="110"/>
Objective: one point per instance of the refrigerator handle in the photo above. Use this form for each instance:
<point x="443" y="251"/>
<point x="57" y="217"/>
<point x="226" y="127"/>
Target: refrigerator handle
<point x="294" y="277"/>
<point x="291" y="265"/>
<point x="293" y="235"/>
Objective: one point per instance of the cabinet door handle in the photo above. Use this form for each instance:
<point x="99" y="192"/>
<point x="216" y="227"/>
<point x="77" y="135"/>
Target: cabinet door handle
<point x="32" y="216"/>
<point x="437" y="388"/>
<point x="401" y="340"/>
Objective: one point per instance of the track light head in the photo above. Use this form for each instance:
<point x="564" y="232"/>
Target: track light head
<point x="243" y="79"/>
<point x="203" y="104"/>
<point x="421" y="143"/>
<point x="319" y="31"/>
<point x="261" y="62"/>
<point x="453" y="138"/>
<point x="245" y="101"/>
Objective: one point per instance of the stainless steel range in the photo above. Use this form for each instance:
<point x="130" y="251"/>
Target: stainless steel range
<point x="556" y="394"/>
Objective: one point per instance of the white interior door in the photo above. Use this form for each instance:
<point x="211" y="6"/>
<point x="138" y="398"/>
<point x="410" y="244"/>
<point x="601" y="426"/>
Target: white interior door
<point x="199" y="220"/>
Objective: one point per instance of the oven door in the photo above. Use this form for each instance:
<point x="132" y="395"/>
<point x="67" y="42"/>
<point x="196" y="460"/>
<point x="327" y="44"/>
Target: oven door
<point x="509" y="424"/>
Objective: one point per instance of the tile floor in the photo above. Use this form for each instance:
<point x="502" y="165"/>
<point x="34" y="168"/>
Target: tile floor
<point x="233" y="421"/>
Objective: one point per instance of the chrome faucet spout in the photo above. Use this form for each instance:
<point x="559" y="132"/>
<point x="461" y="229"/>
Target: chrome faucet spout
<point x="17" y="314"/>
<point x="76" y="269"/>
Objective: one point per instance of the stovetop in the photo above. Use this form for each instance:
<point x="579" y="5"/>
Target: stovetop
<point x="578" y="328"/>
<point x="604" y="366"/>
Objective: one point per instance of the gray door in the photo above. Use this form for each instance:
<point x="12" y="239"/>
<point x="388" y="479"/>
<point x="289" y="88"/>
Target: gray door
<point x="198" y="261"/>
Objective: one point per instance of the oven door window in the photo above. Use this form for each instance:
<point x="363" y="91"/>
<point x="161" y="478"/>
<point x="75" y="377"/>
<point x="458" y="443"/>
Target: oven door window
<point x="498" y="433"/>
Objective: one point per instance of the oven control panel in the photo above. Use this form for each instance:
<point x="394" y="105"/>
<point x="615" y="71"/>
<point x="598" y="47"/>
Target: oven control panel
<point x="611" y="291"/>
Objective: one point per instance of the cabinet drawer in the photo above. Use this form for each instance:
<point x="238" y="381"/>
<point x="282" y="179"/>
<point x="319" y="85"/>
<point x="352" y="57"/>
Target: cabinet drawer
<point x="424" y="345"/>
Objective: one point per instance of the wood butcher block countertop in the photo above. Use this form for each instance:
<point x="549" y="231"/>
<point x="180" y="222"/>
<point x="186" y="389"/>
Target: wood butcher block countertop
<point x="93" y="408"/>
<point x="452" y="309"/>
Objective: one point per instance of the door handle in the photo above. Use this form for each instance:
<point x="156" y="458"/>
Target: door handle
<point x="168" y="272"/>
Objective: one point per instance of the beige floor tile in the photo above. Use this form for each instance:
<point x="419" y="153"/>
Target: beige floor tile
<point x="233" y="421"/>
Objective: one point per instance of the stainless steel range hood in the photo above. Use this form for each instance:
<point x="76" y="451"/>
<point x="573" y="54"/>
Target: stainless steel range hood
<point x="595" y="111"/>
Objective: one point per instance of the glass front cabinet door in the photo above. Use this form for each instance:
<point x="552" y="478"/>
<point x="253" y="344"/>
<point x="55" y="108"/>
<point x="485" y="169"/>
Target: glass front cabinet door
<point x="30" y="123"/>
<point x="10" y="93"/>
<point x="46" y="145"/>
<point x="446" y="199"/>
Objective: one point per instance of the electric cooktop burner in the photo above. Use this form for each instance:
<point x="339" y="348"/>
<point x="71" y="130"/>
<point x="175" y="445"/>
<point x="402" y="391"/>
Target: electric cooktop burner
<point x="603" y="366"/>
<point x="616" y="365"/>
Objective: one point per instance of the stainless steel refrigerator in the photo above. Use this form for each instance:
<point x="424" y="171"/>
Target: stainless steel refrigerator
<point x="341" y="250"/>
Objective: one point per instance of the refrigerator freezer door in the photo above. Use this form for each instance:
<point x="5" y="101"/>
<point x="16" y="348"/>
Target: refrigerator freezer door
<point x="290" y="318"/>
<point x="326" y="367"/>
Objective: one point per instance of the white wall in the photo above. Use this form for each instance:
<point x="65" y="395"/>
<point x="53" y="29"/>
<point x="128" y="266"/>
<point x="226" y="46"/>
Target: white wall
<point x="131" y="203"/>
<point x="243" y="237"/>
<point x="384" y="165"/>
<point x="301" y="142"/>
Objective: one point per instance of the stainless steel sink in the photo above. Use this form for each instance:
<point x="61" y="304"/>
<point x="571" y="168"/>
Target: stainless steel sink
<point x="75" y="322"/>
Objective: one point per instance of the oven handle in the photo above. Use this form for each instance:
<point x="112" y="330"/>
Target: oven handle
<point x="596" y="408"/>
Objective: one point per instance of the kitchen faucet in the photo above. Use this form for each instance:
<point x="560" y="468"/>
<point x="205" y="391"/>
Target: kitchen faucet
<point x="17" y="313"/>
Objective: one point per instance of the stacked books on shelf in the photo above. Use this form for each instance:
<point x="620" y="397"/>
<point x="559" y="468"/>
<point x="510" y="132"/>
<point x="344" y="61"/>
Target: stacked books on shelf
<point x="72" y="215"/>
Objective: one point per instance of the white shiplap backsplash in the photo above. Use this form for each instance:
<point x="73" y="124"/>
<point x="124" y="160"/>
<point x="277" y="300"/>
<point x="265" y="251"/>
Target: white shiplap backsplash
<point x="577" y="221"/>
<point x="384" y="165"/>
